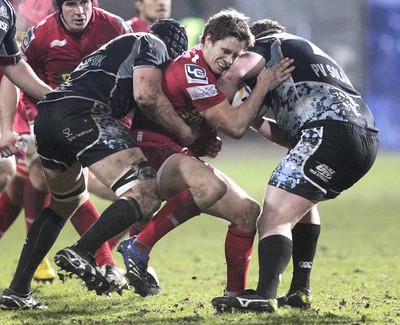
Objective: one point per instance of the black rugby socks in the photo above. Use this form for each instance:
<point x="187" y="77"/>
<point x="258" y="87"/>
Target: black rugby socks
<point x="115" y="219"/>
<point x="305" y="239"/>
<point x="41" y="237"/>
<point x="274" y="253"/>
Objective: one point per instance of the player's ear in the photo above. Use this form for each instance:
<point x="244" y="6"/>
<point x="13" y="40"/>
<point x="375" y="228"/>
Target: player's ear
<point x="208" y="40"/>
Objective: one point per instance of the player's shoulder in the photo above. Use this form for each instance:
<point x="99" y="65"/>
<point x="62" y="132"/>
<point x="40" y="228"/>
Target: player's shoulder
<point x="7" y="11"/>
<point x="191" y="57"/>
<point x="43" y="33"/>
<point x="151" y="42"/>
<point x="102" y="16"/>
<point x="149" y="37"/>
<point x="46" y="25"/>
<point x="192" y="65"/>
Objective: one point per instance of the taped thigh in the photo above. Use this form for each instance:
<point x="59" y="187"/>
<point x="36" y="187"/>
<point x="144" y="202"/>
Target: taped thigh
<point x="132" y="176"/>
<point x="75" y="193"/>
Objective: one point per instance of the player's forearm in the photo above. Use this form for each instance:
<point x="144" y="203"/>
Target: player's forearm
<point x="236" y="121"/>
<point x="9" y="95"/>
<point x="25" y="78"/>
<point x="162" y="113"/>
<point x="150" y="97"/>
<point x="247" y="66"/>
<point x="241" y="117"/>
<point x="270" y="130"/>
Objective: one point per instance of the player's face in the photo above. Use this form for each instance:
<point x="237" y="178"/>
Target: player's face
<point x="76" y="14"/>
<point x="221" y="54"/>
<point x="151" y="10"/>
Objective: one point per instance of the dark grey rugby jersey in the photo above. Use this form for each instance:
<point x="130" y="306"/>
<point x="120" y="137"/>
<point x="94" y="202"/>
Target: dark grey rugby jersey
<point x="318" y="89"/>
<point x="105" y="76"/>
<point x="9" y="50"/>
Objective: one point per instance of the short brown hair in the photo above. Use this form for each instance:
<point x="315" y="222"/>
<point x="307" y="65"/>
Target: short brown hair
<point x="265" y="27"/>
<point x="228" y="23"/>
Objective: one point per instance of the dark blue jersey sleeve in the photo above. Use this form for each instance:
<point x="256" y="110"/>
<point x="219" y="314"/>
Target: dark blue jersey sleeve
<point x="9" y="50"/>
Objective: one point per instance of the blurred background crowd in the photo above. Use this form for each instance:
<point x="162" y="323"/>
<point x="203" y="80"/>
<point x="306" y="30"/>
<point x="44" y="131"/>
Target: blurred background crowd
<point x="362" y="35"/>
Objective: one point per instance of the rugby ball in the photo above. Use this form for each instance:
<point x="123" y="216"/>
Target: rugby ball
<point x="241" y="95"/>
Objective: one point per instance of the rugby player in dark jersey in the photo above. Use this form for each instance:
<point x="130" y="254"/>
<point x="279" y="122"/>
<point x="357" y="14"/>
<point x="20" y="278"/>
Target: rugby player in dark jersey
<point x="77" y="126"/>
<point x="54" y="48"/>
<point x="19" y="72"/>
<point x="333" y="141"/>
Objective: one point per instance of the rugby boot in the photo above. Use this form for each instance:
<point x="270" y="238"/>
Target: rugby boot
<point x="153" y="282"/>
<point x="115" y="278"/>
<point x="248" y="300"/>
<point x="136" y="266"/>
<point x="84" y="266"/>
<point x="13" y="300"/>
<point x="300" y="298"/>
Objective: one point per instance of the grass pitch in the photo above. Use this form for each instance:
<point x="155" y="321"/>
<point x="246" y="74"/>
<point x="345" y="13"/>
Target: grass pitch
<point x="355" y="277"/>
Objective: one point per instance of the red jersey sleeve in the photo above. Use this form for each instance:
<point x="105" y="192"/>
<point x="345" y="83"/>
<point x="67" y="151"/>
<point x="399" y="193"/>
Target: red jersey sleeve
<point x="119" y="25"/>
<point x="32" y="54"/>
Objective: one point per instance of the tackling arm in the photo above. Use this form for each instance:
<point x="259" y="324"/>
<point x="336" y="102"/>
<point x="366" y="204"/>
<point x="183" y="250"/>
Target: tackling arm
<point x="9" y="95"/>
<point x="234" y="121"/>
<point x="269" y="129"/>
<point x="22" y="75"/>
<point x="247" y="66"/>
<point x="155" y="105"/>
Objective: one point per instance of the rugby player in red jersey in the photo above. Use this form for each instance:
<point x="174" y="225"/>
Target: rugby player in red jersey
<point x="189" y="185"/>
<point x="148" y="12"/>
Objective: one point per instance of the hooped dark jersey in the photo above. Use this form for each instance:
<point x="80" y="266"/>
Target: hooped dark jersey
<point x="9" y="50"/>
<point x="105" y="76"/>
<point x="318" y="89"/>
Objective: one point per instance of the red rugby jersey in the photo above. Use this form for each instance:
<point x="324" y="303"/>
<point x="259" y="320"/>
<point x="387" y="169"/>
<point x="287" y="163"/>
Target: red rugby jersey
<point x="54" y="53"/>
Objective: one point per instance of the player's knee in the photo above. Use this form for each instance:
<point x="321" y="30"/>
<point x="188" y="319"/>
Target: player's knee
<point x="254" y="210"/>
<point x="146" y="195"/>
<point x="250" y="211"/>
<point x="133" y="177"/>
<point x="65" y="208"/>
<point x="271" y="218"/>
<point x="149" y="203"/>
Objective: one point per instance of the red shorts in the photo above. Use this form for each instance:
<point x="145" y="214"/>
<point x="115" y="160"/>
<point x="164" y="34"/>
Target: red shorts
<point x="157" y="147"/>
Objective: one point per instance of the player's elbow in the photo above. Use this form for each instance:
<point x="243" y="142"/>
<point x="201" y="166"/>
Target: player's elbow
<point x="236" y="132"/>
<point x="145" y="100"/>
<point x="239" y="134"/>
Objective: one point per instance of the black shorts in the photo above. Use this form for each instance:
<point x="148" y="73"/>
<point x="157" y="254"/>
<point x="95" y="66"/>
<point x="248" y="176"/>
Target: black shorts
<point x="72" y="129"/>
<point x="327" y="160"/>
